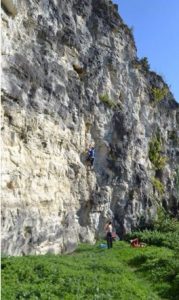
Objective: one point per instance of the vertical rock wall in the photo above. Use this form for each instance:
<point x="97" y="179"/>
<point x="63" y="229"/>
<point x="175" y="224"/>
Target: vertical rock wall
<point x="71" y="79"/>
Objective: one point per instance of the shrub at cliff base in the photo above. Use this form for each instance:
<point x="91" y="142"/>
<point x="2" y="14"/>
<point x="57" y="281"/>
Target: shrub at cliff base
<point x="162" y="271"/>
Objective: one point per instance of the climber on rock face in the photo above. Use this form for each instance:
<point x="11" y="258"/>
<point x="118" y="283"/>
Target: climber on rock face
<point x="91" y="155"/>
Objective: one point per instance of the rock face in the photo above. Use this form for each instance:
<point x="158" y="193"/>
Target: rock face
<point x="71" y="79"/>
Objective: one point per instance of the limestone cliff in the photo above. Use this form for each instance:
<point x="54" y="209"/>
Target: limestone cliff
<point x="71" y="79"/>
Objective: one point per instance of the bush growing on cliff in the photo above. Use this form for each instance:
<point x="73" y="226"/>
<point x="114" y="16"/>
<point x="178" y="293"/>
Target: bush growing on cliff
<point x="155" y="156"/>
<point x="177" y="182"/>
<point x="127" y="30"/>
<point x="172" y="135"/>
<point x="106" y="100"/>
<point x="158" y="94"/>
<point x="142" y="64"/>
<point x="145" y="64"/>
<point x="165" y="223"/>
<point x="158" y="185"/>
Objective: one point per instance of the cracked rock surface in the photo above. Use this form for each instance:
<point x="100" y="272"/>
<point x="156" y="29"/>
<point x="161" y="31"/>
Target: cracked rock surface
<point x="71" y="79"/>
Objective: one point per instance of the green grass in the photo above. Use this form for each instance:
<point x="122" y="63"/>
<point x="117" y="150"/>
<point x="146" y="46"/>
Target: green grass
<point x="160" y="267"/>
<point x="89" y="273"/>
<point x="93" y="273"/>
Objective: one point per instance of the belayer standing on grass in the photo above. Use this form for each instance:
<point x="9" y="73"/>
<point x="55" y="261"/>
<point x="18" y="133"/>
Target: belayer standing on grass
<point x="108" y="229"/>
<point x="91" y="156"/>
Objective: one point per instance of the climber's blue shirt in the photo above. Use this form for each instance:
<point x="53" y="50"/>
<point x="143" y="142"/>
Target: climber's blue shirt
<point x="91" y="153"/>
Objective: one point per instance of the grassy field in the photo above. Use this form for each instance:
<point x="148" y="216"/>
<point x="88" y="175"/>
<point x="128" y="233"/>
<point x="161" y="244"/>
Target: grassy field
<point x="93" y="273"/>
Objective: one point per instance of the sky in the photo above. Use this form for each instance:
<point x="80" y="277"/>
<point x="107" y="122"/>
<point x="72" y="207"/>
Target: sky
<point x="156" y="31"/>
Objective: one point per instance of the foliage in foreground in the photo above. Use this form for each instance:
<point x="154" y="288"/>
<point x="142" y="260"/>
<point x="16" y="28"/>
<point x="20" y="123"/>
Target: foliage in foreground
<point x="161" y="239"/>
<point x="93" y="273"/>
<point x="89" y="273"/>
<point x="162" y="271"/>
<point x="165" y="232"/>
